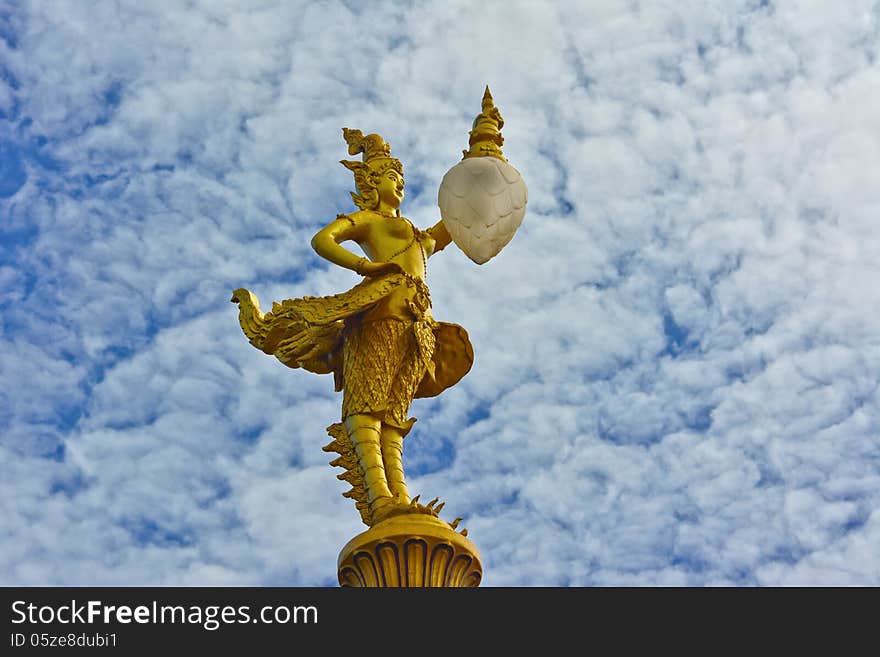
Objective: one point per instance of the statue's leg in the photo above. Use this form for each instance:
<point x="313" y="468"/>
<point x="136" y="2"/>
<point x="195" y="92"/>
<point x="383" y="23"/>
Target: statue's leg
<point x="392" y="455"/>
<point x="364" y="432"/>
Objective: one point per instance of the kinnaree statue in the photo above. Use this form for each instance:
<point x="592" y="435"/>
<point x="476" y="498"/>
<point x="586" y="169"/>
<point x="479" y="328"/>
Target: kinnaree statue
<point x="384" y="347"/>
<point x="378" y="339"/>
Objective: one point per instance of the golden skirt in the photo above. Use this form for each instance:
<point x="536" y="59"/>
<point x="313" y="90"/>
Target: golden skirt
<point x="384" y="362"/>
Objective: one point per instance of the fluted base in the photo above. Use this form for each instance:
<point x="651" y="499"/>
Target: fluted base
<point x="413" y="549"/>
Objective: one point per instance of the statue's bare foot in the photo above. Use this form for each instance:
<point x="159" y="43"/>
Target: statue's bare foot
<point x="389" y="510"/>
<point x="401" y="505"/>
<point x="380" y="508"/>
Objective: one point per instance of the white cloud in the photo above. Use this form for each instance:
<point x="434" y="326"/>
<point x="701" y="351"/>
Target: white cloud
<point x="675" y="377"/>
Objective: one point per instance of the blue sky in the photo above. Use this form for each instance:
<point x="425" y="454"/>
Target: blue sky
<point x="676" y="357"/>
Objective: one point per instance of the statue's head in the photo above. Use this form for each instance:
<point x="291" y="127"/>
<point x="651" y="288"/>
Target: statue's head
<point x="379" y="176"/>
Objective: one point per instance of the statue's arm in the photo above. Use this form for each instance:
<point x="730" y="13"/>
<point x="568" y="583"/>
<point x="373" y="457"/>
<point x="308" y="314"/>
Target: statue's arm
<point x="441" y="236"/>
<point x="326" y="244"/>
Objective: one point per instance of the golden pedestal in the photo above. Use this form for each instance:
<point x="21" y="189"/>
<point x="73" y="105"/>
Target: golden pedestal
<point x="413" y="549"/>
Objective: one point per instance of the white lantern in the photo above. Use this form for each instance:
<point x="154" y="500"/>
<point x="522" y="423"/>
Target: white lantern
<point x="482" y="202"/>
<point x="483" y="198"/>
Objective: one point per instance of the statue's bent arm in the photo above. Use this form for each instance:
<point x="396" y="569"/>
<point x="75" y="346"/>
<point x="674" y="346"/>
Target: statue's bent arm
<point x="326" y="242"/>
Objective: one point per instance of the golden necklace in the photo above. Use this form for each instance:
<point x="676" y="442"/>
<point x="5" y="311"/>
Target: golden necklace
<point x="410" y="243"/>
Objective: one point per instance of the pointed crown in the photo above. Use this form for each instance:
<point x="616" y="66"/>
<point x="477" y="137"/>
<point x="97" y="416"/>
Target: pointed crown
<point x="376" y="160"/>
<point x="377" y="152"/>
<point x="485" y="135"/>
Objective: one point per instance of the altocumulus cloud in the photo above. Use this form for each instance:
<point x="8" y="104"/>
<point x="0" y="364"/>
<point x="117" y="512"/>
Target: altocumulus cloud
<point x="676" y="357"/>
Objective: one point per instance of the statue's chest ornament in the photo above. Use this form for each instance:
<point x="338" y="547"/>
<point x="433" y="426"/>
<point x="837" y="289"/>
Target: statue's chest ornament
<point x="417" y="238"/>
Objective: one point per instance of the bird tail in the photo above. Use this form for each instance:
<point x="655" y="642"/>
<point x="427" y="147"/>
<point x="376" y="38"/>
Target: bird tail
<point x="250" y="316"/>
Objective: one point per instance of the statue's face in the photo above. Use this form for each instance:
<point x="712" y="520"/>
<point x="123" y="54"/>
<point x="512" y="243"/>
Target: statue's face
<point x="390" y="188"/>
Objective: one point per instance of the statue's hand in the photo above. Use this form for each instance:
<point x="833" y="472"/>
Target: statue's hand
<point x="368" y="268"/>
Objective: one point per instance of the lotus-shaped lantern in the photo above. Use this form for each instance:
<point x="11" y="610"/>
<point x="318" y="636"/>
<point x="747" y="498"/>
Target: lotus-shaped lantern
<point x="483" y="198"/>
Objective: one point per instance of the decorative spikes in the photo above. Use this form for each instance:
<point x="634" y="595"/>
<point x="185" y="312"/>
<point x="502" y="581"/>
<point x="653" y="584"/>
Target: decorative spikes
<point x="353" y="478"/>
<point x="344" y="461"/>
<point x="334" y="445"/>
<point x="347" y="459"/>
<point x="354" y="492"/>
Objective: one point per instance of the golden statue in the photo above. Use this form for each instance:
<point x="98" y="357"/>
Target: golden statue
<point x="384" y="348"/>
